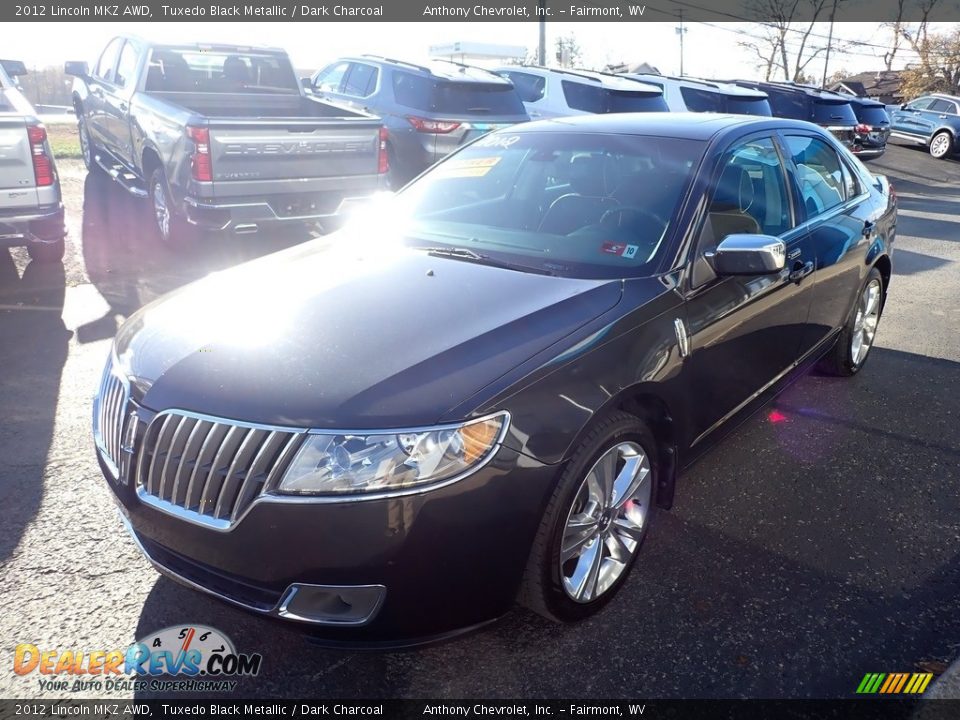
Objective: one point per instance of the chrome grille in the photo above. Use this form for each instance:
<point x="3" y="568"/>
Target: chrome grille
<point x="210" y="471"/>
<point x="110" y="407"/>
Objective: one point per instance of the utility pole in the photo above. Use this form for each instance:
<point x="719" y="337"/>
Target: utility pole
<point x="681" y="31"/>
<point x="542" y="47"/>
<point x="826" y="61"/>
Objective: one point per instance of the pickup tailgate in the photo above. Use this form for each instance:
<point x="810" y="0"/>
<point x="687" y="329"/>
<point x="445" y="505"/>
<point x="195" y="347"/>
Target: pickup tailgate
<point x="17" y="181"/>
<point x="277" y="155"/>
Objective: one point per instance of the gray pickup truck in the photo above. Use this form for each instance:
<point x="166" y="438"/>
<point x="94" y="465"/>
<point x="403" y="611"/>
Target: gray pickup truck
<point x="31" y="210"/>
<point x="222" y="137"/>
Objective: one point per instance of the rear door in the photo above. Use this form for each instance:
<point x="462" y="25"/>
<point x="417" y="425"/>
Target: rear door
<point x="17" y="181"/>
<point x="744" y="331"/>
<point x="935" y="116"/>
<point x="834" y="205"/>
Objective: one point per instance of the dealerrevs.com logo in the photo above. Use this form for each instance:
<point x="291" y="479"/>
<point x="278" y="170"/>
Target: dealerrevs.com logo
<point x="196" y="657"/>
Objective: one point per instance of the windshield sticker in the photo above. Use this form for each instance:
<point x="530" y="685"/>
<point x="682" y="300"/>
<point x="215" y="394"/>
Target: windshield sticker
<point x="620" y="249"/>
<point x="468" y="167"/>
<point x="497" y="141"/>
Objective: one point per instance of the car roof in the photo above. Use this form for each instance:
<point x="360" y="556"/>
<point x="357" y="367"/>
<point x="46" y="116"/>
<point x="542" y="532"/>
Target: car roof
<point x="690" y="126"/>
<point x="201" y="46"/>
<point x="861" y="101"/>
<point x="727" y="88"/>
<point x="606" y="80"/>
<point x="944" y="96"/>
<point x="439" y="69"/>
<point x="808" y="90"/>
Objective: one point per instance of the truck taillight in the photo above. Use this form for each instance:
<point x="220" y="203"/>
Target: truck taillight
<point x="862" y="128"/>
<point x="201" y="166"/>
<point x="383" y="158"/>
<point x="439" y="127"/>
<point x="42" y="162"/>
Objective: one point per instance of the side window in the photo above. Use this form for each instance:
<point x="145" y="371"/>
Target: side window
<point x="529" y="87"/>
<point x="361" y="81"/>
<point x="127" y="68"/>
<point x="819" y="174"/>
<point x="851" y="184"/>
<point x="940" y="106"/>
<point x="751" y="193"/>
<point x="919" y="104"/>
<point x="107" y="61"/>
<point x="331" y="78"/>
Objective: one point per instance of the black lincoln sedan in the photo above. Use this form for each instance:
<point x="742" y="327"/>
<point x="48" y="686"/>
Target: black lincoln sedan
<point x="485" y="388"/>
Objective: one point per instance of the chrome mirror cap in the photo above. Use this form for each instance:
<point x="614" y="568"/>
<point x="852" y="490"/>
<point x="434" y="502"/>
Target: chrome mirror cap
<point x="748" y="254"/>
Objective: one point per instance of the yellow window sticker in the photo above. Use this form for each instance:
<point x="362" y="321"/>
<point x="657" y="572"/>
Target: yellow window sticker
<point x="468" y="167"/>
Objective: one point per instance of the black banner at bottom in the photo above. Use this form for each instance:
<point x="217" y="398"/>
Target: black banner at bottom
<point x="136" y="709"/>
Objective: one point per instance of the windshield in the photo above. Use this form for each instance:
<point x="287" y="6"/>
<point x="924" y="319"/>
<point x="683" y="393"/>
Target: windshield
<point x="598" y="99"/>
<point x="456" y="98"/>
<point x="577" y="205"/>
<point x="172" y="70"/>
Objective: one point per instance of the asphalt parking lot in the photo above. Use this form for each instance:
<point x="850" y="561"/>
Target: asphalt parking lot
<point x="813" y="546"/>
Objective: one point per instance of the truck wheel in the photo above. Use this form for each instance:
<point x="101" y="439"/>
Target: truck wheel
<point x="169" y="226"/>
<point x="941" y="146"/>
<point x="88" y="150"/>
<point x="46" y="252"/>
<point x="595" y="522"/>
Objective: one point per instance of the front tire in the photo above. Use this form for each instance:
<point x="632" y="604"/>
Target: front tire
<point x="857" y="337"/>
<point x="47" y="252"/>
<point x="88" y="150"/>
<point x="595" y="522"/>
<point x="941" y="145"/>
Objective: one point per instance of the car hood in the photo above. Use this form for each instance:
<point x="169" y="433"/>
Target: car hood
<point x="326" y="336"/>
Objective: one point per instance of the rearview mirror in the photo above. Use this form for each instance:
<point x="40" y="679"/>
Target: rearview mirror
<point x="745" y="254"/>
<point x="14" y="68"/>
<point x="76" y="68"/>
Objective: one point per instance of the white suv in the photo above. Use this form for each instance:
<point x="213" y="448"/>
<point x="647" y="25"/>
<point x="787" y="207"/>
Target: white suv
<point x="693" y="95"/>
<point x="551" y="92"/>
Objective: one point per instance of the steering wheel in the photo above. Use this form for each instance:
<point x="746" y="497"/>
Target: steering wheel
<point x="637" y="211"/>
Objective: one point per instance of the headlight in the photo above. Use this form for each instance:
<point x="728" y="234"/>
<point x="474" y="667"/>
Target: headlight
<point x="329" y="464"/>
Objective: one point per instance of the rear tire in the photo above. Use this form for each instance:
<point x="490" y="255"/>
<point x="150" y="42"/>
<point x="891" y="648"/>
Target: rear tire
<point x="170" y="227"/>
<point x="595" y="522"/>
<point x="856" y="339"/>
<point x="47" y="252"/>
<point x="941" y="145"/>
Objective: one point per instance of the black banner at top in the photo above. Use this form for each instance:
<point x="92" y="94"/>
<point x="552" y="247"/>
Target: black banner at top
<point x="483" y="11"/>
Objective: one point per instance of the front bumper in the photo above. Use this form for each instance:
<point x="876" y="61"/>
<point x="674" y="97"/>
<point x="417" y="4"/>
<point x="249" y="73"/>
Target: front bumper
<point x="20" y="227"/>
<point x="432" y="563"/>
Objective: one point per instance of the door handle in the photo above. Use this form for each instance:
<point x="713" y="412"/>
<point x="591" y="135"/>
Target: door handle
<point x="867" y="229"/>
<point x="800" y="270"/>
<point x="943" y="117"/>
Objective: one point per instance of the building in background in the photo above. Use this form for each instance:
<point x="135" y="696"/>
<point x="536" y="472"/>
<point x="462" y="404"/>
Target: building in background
<point x="882" y="85"/>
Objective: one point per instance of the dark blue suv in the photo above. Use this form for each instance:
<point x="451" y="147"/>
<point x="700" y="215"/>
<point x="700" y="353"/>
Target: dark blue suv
<point x="931" y="120"/>
<point x="428" y="111"/>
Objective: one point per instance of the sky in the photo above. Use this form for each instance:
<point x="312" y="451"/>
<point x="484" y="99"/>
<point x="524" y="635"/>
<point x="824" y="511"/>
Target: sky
<point x="710" y="49"/>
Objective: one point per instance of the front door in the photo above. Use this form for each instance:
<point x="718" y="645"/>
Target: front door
<point x="744" y="331"/>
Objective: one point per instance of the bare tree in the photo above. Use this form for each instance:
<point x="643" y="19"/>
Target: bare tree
<point x="786" y="44"/>
<point x="938" y="69"/>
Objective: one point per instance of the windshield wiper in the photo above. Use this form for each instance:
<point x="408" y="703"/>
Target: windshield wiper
<point x="468" y="255"/>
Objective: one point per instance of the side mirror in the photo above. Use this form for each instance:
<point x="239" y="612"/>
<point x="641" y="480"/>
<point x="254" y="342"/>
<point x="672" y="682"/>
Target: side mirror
<point x="307" y="84"/>
<point x="905" y="106"/>
<point x="745" y="254"/>
<point x="76" y="68"/>
<point x="14" y="68"/>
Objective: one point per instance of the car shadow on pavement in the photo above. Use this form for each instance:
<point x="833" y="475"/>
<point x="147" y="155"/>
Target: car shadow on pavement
<point x="33" y="350"/>
<point x="816" y="544"/>
<point x="129" y="265"/>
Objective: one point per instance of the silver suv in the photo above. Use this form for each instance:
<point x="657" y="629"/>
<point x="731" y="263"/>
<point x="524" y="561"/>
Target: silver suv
<point x="550" y="92"/>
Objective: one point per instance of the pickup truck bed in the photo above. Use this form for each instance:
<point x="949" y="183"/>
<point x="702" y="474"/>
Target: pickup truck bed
<point x="31" y="210"/>
<point x="221" y="154"/>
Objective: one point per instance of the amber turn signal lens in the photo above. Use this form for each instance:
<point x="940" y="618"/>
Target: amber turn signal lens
<point x="478" y="438"/>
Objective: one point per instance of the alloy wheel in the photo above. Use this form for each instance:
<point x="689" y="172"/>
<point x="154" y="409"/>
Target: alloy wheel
<point x="940" y="145"/>
<point x="865" y="323"/>
<point x="85" y="144"/>
<point x="606" y="522"/>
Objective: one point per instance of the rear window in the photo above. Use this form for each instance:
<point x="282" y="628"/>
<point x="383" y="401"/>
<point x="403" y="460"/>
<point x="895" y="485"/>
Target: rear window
<point x="702" y="100"/>
<point x="748" y="106"/>
<point x="873" y="115"/>
<point x="529" y="87"/>
<point x="789" y="104"/>
<point x="188" y="70"/>
<point x="827" y="113"/>
<point x="456" y="98"/>
<point x="598" y="99"/>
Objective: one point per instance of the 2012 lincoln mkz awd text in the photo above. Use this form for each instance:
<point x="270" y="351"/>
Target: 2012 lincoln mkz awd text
<point x="485" y="387"/>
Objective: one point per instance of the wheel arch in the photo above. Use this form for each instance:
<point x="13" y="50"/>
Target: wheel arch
<point x="149" y="161"/>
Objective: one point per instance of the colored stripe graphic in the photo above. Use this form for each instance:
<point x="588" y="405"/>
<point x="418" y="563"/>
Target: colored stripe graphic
<point x="894" y="683"/>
